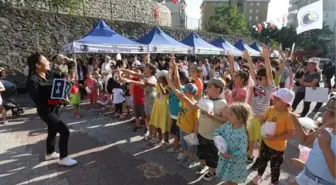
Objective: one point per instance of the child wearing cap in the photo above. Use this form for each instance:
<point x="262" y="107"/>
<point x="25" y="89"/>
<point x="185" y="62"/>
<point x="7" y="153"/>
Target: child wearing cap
<point x="186" y="121"/>
<point x="208" y="122"/>
<point x="273" y="146"/>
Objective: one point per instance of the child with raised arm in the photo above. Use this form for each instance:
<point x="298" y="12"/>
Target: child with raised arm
<point x="148" y="81"/>
<point x="240" y="79"/>
<point x="207" y="124"/>
<point x="186" y="121"/>
<point x="260" y="96"/>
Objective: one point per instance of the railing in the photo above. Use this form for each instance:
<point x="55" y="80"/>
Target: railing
<point x="181" y="21"/>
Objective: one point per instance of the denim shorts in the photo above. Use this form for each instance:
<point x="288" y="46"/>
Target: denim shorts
<point x="185" y="146"/>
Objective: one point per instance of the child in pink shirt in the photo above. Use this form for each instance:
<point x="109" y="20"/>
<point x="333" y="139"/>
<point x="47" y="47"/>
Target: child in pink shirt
<point x="91" y="84"/>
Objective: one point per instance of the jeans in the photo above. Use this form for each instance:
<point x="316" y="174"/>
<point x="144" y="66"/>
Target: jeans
<point x="185" y="146"/>
<point x="55" y="125"/>
<point x="299" y="96"/>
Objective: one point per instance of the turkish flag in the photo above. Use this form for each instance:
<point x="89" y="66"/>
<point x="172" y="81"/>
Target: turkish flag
<point x="175" y="1"/>
<point x="156" y="13"/>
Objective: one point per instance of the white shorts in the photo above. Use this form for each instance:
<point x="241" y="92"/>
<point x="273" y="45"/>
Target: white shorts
<point x="303" y="179"/>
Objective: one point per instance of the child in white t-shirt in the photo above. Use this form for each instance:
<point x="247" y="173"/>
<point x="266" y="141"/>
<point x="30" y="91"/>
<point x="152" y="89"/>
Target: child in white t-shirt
<point x="2" y="109"/>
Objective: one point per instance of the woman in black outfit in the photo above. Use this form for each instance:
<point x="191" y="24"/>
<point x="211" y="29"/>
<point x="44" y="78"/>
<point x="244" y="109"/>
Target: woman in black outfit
<point x="39" y="86"/>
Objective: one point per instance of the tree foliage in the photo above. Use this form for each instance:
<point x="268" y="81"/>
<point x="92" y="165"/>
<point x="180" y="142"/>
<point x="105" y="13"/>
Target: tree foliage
<point x="71" y="5"/>
<point x="228" y="21"/>
<point x="310" y="40"/>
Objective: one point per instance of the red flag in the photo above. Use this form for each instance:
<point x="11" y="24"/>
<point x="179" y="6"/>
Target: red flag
<point x="156" y="13"/>
<point x="175" y="1"/>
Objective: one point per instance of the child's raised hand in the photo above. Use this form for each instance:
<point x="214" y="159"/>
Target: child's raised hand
<point x="228" y="156"/>
<point x="265" y="51"/>
<point x="246" y="55"/>
<point x="230" y="57"/>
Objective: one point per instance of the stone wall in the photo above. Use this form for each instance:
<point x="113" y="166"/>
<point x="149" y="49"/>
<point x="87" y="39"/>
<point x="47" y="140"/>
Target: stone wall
<point x="141" y="11"/>
<point x="23" y="32"/>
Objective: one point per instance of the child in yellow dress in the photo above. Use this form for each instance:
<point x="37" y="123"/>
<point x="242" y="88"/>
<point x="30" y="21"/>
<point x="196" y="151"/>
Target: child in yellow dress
<point x="160" y="117"/>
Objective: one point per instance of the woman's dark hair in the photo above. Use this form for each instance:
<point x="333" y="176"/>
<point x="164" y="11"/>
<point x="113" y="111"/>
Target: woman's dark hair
<point x="91" y="59"/>
<point x="152" y="68"/>
<point x="245" y="75"/>
<point x="119" y="63"/>
<point x="32" y="60"/>
<point x="262" y="72"/>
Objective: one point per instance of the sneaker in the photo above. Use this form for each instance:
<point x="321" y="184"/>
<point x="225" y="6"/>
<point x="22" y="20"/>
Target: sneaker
<point x="179" y="156"/>
<point x="170" y="150"/>
<point x="135" y="129"/>
<point x="67" y="161"/>
<point x="147" y="138"/>
<point x="256" y="180"/>
<point x="164" y="145"/>
<point x="209" y="176"/>
<point x="191" y="163"/>
<point x="52" y="156"/>
<point x="202" y="169"/>
<point x="77" y="115"/>
<point x="183" y="160"/>
<point x="250" y="159"/>
<point x="5" y="122"/>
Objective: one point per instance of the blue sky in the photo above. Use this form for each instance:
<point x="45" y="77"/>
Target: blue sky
<point x="277" y="7"/>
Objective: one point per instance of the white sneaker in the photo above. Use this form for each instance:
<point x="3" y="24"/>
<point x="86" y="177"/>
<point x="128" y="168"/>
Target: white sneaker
<point x="179" y="156"/>
<point x="67" y="161"/>
<point x="52" y="156"/>
<point x="5" y="122"/>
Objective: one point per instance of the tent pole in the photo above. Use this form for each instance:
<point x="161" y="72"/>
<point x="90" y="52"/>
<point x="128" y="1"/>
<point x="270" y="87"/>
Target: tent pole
<point x="75" y="61"/>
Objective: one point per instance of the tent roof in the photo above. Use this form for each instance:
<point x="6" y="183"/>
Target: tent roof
<point x="103" y="34"/>
<point x="222" y="43"/>
<point x="256" y="47"/>
<point x="240" y="44"/>
<point x="157" y="37"/>
<point x="196" y="41"/>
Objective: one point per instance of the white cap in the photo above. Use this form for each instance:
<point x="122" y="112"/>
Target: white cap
<point x="284" y="94"/>
<point x="136" y="63"/>
<point x="162" y="73"/>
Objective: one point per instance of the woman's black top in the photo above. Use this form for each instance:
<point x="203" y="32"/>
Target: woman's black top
<point x="40" y="90"/>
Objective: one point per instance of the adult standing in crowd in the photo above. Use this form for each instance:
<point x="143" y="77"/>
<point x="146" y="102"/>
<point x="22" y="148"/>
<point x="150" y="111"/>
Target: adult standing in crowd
<point x="310" y="79"/>
<point x="62" y="63"/>
<point x="39" y="86"/>
<point x="82" y="73"/>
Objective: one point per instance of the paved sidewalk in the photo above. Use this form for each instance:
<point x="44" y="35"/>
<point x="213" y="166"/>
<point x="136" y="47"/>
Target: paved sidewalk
<point x="107" y="151"/>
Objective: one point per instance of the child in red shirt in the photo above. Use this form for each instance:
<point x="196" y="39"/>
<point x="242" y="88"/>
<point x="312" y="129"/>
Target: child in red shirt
<point x="74" y="93"/>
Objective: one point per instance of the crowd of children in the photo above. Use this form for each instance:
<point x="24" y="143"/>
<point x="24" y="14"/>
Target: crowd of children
<point x="168" y="103"/>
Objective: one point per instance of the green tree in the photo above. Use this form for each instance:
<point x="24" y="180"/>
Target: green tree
<point x="228" y="21"/>
<point x="71" y="5"/>
<point x="310" y="40"/>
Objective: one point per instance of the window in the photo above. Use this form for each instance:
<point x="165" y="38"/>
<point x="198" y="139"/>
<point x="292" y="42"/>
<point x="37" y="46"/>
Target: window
<point x="257" y="18"/>
<point x="250" y="18"/>
<point x="251" y="11"/>
<point x="258" y="4"/>
<point x="252" y="4"/>
<point x="257" y="11"/>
